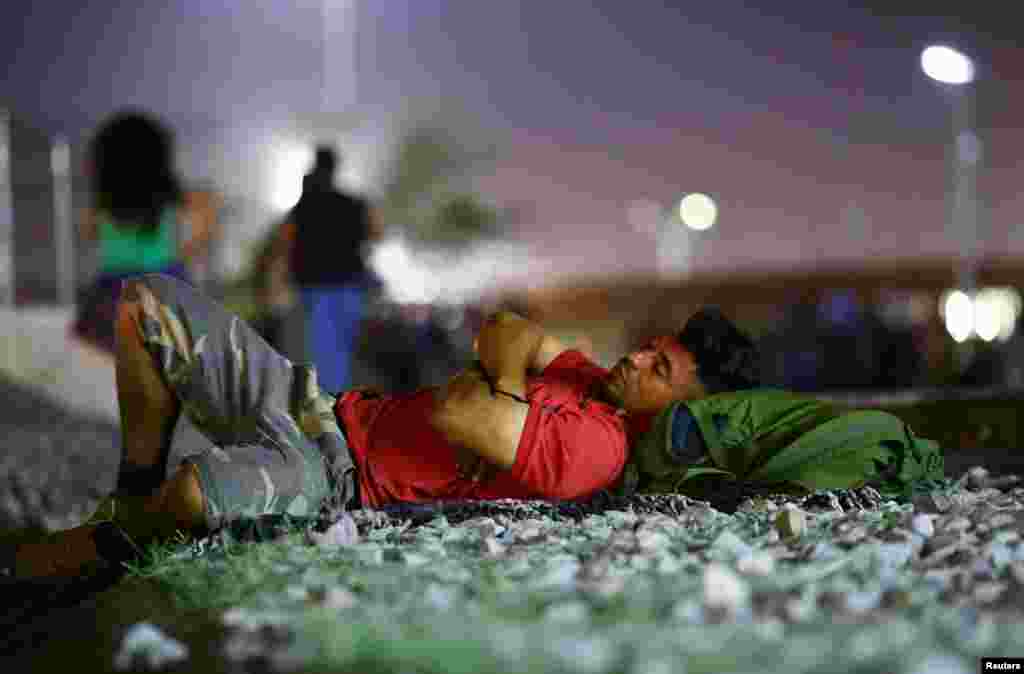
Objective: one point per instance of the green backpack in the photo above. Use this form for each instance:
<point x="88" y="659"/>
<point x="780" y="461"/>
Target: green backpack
<point x="774" y="436"/>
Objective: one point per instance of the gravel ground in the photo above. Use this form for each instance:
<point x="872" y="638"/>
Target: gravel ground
<point x="55" y="465"/>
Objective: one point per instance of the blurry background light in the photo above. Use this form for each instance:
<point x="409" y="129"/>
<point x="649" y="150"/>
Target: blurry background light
<point x="291" y="161"/>
<point x="442" y="277"/>
<point x="995" y="313"/>
<point x="406" y="280"/>
<point x="958" y="313"/>
<point x="698" y="211"/>
<point x="947" y="65"/>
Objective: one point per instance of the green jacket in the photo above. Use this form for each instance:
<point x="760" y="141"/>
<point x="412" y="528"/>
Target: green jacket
<point x="769" y="435"/>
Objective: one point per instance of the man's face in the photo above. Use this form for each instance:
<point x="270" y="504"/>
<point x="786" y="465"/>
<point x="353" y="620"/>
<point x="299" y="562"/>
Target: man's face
<point x="647" y="379"/>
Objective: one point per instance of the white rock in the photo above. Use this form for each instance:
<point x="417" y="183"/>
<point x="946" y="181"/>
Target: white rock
<point x="145" y="642"/>
<point x="491" y="548"/>
<point x="722" y="588"/>
<point x="977" y="477"/>
<point x="922" y="524"/>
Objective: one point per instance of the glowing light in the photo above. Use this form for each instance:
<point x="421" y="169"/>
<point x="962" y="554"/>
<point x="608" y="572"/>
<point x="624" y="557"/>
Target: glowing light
<point x="446" y="278"/>
<point x="698" y="211"/>
<point x="947" y="65"/>
<point x="406" y="280"/>
<point x="958" y="312"/>
<point x="291" y="161"/>
<point x="995" y="313"/>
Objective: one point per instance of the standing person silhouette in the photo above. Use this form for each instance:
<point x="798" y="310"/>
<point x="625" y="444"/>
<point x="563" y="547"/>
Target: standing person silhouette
<point x="323" y="239"/>
<point x="139" y="211"/>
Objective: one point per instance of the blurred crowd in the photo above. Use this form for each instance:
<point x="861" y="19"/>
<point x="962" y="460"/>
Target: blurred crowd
<point x="841" y="343"/>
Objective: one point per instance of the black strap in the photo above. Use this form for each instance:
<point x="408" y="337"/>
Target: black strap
<point x="495" y="390"/>
<point x="513" y="396"/>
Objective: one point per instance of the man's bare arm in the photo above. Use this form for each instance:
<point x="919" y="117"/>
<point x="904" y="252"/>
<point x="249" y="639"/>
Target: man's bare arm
<point x="476" y="421"/>
<point x="478" y="410"/>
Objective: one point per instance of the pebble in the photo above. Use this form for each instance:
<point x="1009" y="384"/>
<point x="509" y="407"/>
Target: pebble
<point x="977" y="477"/>
<point x="144" y="642"/>
<point x="923" y="525"/>
<point x="723" y="589"/>
<point x="791" y="523"/>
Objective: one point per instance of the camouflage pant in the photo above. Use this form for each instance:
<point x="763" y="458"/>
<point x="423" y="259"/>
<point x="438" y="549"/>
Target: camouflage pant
<point x="277" y="447"/>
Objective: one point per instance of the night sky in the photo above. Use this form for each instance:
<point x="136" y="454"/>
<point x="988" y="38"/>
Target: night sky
<point x="813" y="127"/>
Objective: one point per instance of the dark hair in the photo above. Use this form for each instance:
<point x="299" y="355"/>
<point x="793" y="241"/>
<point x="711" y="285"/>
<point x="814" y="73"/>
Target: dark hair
<point x="133" y="175"/>
<point x="727" y="359"/>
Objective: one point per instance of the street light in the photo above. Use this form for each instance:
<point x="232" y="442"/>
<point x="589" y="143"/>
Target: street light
<point x="955" y="71"/>
<point x="698" y="211"/>
<point x="947" y="65"/>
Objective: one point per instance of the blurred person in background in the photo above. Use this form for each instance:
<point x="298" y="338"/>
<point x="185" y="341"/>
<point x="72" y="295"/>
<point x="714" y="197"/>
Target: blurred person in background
<point x="273" y="290"/>
<point x="324" y="240"/>
<point x="140" y="218"/>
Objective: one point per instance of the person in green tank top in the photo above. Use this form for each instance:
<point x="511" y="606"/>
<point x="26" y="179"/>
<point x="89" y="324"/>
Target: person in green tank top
<point x="141" y="220"/>
<point x="732" y="428"/>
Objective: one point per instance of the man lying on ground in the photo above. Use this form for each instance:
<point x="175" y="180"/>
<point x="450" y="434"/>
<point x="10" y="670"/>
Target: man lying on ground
<point x="529" y="420"/>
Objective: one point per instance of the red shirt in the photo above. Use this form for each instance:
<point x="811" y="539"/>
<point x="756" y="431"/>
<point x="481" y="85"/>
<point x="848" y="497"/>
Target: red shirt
<point x="570" y="448"/>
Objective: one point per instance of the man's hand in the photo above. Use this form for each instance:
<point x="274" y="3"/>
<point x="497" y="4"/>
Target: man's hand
<point x="507" y="347"/>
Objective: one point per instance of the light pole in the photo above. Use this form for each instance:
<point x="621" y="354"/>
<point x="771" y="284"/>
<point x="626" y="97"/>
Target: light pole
<point x="955" y="71"/>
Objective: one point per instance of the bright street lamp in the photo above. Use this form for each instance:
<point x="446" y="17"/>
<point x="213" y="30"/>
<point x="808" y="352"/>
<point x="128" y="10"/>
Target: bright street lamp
<point x="947" y="65"/>
<point x="698" y="211"/>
